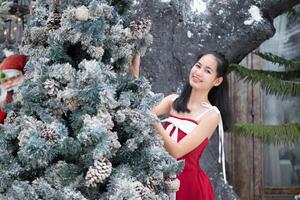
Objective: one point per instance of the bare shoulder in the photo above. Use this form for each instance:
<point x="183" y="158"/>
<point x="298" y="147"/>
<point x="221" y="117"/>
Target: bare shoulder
<point x="211" y="118"/>
<point x="170" y="98"/>
<point x="173" y="96"/>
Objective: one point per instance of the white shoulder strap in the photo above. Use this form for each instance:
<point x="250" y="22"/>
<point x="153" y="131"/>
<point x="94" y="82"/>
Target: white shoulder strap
<point x="221" y="136"/>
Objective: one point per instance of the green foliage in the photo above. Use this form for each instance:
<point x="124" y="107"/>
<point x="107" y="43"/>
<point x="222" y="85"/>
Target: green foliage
<point x="277" y="83"/>
<point x="292" y="14"/>
<point x="275" y="134"/>
<point x="288" y="64"/>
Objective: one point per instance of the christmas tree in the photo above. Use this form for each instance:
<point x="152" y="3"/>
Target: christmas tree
<point x="80" y="127"/>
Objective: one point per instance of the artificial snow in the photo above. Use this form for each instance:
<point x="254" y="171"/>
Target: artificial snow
<point x="189" y="34"/>
<point x="165" y="1"/>
<point x="198" y="6"/>
<point x="135" y="2"/>
<point x="8" y="52"/>
<point x="255" y="15"/>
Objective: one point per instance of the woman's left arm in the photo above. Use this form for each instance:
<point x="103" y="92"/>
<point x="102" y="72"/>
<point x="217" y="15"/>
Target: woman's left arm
<point x="204" y="129"/>
<point x="134" y="69"/>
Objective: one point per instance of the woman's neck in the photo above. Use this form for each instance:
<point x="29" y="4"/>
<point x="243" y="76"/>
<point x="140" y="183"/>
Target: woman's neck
<point x="196" y="98"/>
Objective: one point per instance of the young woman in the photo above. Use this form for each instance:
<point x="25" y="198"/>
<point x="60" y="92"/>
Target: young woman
<point x="193" y="117"/>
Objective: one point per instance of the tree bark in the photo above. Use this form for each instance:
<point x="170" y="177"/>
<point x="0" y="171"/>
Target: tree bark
<point x="181" y="33"/>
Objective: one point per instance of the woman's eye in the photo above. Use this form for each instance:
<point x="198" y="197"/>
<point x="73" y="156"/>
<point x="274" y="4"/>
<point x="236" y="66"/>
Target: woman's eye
<point x="207" y="71"/>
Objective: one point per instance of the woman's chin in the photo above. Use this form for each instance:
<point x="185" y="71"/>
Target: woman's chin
<point x="195" y="83"/>
<point x="195" y="86"/>
<point x="198" y="86"/>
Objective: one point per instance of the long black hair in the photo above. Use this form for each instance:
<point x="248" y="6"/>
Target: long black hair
<point x="217" y="96"/>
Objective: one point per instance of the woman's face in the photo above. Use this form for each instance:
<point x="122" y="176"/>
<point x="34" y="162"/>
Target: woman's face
<point x="203" y="74"/>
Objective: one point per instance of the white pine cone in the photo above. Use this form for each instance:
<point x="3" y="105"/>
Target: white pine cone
<point x="10" y="117"/>
<point x="141" y="189"/>
<point x="149" y="185"/>
<point x="54" y="21"/>
<point x="133" y="26"/>
<point x="49" y="134"/>
<point x="145" y="25"/>
<point x="52" y="87"/>
<point x="140" y="28"/>
<point x="99" y="172"/>
<point x="172" y="185"/>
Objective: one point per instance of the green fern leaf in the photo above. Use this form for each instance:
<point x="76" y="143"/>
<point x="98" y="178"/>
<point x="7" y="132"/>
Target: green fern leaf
<point x="274" y="134"/>
<point x="271" y="84"/>
<point x="288" y="64"/>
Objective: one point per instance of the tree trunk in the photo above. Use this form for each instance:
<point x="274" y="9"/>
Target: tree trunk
<point x="181" y="33"/>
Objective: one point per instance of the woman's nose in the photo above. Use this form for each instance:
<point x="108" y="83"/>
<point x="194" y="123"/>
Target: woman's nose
<point x="199" y="71"/>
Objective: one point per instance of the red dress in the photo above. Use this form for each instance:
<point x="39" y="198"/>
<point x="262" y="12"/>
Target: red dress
<point x="194" y="184"/>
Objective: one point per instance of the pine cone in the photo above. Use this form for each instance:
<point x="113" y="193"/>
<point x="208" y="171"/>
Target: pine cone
<point x="149" y="185"/>
<point x="54" y="21"/>
<point x="133" y="26"/>
<point x="140" y="28"/>
<point x="99" y="172"/>
<point x="172" y="185"/>
<point x="56" y="112"/>
<point x="152" y="182"/>
<point x="49" y="134"/>
<point x="145" y="25"/>
<point x="52" y="87"/>
<point x="72" y="103"/>
<point x="140" y="188"/>
<point x="35" y="36"/>
<point x="10" y="117"/>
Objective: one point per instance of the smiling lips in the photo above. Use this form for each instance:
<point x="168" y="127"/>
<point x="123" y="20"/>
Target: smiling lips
<point x="196" y="79"/>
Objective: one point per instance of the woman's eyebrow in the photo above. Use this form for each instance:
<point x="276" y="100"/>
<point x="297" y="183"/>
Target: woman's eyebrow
<point x="205" y="66"/>
<point x="199" y="63"/>
<point x="209" y="68"/>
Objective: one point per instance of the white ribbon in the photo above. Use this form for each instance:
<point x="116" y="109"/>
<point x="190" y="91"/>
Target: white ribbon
<point x="184" y="125"/>
<point x="221" y="139"/>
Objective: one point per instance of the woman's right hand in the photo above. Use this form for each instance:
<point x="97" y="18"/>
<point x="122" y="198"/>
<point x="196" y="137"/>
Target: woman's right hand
<point x="134" y="69"/>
